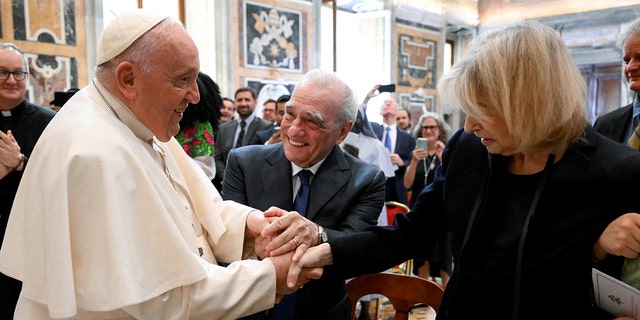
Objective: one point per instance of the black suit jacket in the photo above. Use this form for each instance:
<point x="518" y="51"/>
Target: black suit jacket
<point x="405" y="143"/>
<point x="346" y="196"/>
<point x="593" y="183"/>
<point x="28" y="125"/>
<point x="224" y="142"/>
<point x="615" y="124"/>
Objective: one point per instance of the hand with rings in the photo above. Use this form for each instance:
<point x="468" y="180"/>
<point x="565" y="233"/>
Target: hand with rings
<point x="295" y="242"/>
<point x="289" y="231"/>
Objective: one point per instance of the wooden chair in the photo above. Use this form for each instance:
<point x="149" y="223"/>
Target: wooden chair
<point x="403" y="291"/>
<point x="393" y="208"/>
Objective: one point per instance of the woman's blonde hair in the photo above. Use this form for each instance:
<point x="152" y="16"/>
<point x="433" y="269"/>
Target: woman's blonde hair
<point x="521" y="74"/>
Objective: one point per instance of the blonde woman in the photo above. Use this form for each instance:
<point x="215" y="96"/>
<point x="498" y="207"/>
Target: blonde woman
<point x="526" y="189"/>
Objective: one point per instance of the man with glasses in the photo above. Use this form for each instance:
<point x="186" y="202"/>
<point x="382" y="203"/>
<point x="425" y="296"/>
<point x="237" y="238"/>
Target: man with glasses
<point x="21" y="123"/>
<point x="269" y="111"/>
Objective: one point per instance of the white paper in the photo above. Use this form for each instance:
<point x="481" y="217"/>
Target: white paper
<point x="615" y="296"/>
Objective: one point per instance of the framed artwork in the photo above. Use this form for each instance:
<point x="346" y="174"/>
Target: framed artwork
<point x="272" y="37"/>
<point x="416" y="69"/>
<point x="417" y="61"/>
<point x="417" y="104"/>
<point x="269" y="89"/>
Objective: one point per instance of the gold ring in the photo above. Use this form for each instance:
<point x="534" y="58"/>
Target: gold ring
<point x="295" y="242"/>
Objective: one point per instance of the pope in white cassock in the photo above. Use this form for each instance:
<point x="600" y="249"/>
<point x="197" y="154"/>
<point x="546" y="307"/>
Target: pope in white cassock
<point x="113" y="220"/>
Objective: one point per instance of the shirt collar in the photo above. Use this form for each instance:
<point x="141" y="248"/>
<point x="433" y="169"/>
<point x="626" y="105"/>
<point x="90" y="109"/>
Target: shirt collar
<point x="249" y="119"/>
<point x="15" y="111"/>
<point x="314" y="168"/>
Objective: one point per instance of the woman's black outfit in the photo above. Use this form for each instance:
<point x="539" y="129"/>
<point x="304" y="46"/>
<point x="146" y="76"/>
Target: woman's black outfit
<point x="439" y="256"/>
<point x="523" y="244"/>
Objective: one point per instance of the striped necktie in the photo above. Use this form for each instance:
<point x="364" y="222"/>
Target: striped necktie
<point x="243" y="124"/>
<point x="634" y="140"/>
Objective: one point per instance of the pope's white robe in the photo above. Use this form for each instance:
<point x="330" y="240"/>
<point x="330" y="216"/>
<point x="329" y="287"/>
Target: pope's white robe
<point x="98" y="230"/>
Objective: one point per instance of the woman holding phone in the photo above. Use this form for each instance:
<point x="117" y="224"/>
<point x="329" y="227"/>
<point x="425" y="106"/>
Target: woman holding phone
<point x="432" y="128"/>
<point x="432" y="133"/>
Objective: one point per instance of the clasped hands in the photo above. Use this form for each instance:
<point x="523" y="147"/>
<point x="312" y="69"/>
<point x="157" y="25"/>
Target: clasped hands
<point x="9" y="153"/>
<point x="283" y="237"/>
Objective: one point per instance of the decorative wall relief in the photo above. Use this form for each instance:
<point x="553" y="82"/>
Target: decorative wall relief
<point x="269" y="89"/>
<point x="47" y="32"/>
<point x="48" y="74"/>
<point x="416" y="61"/>
<point x="33" y="22"/>
<point x="272" y="37"/>
<point x="417" y="104"/>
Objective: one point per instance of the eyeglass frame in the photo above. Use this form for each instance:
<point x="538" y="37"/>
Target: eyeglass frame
<point x="17" y="75"/>
<point x="430" y="127"/>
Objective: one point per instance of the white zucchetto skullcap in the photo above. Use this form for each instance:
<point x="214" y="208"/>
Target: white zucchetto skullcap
<point x="123" y="31"/>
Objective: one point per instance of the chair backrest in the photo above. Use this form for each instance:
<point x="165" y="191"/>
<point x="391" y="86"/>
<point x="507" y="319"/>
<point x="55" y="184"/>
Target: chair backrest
<point x="393" y="208"/>
<point x="403" y="291"/>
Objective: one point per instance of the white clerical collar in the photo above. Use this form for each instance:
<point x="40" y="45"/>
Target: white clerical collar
<point x="6" y="113"/>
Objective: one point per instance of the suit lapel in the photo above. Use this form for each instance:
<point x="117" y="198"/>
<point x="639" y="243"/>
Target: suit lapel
<point x="332" y="175"/>
<point x="251" y="130"/>
<point x="279" y="169"/>
<point x="228" y="132"/>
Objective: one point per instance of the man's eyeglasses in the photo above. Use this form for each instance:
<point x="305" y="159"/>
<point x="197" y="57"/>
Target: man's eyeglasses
<point x="429" y="127"/>
<point x="18" y="75"/>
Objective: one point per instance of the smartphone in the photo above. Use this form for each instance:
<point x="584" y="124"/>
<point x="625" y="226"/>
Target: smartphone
<point x="422" y="143"/>
<point x="387" y="88"/>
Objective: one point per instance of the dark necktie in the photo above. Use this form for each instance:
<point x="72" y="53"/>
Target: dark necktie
<point x="243" y="124"/>
<point x="387" y="140"/>
<point x="302" y="197"/>
<point x="285" y="310"/>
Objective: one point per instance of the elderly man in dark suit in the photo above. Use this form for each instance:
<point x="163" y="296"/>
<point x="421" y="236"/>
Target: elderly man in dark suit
<point x="21" y="123"/>
<point x="400" y="144"/>
<point x="238" y="132"/>
<point x="345" y="194"/>
<point x="619" y="124"/>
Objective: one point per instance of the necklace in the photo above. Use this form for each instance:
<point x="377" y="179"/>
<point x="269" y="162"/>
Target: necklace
<point x="156" y="147"/>
<point x="432" y="165"/>
<point x="105" y="100"/>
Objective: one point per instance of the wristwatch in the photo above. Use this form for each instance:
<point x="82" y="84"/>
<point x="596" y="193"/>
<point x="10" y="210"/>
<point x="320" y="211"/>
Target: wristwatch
<point x="322" y="235"/>
<point x="22" y="162"/>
